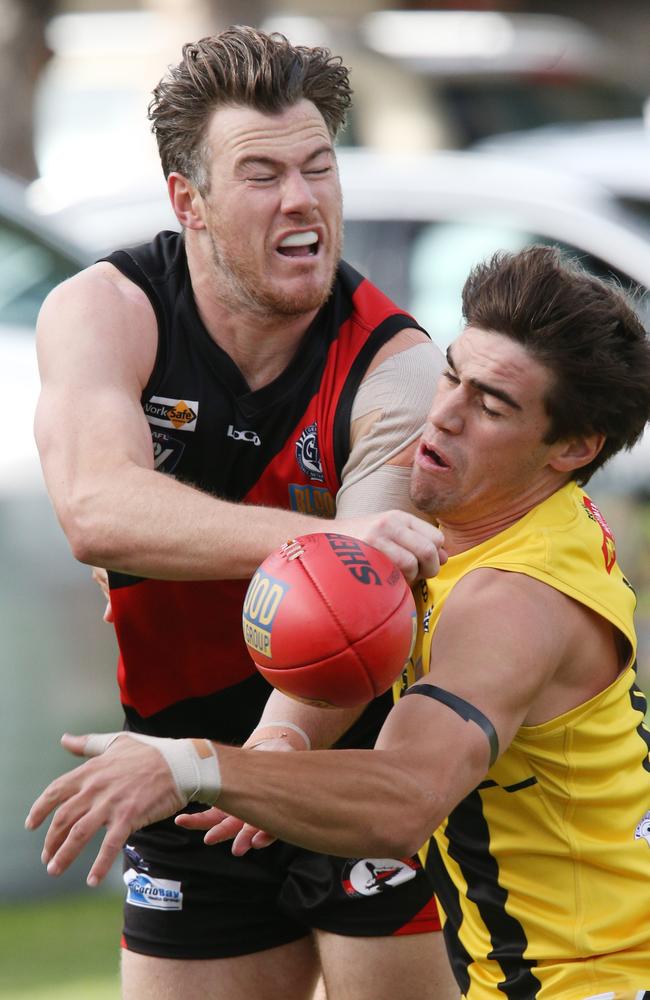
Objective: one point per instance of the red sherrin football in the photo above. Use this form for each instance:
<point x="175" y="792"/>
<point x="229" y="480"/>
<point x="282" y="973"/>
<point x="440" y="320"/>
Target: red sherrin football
<point x="329" y="619"/>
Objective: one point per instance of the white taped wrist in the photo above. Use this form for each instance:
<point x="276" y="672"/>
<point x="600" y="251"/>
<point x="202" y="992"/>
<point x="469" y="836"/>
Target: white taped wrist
<point x="194" y="763"/>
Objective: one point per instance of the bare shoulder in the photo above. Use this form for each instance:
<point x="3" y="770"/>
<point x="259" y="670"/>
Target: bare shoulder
<point x="524" y="643"/>
<point x="99" y="286"/>
<point x="507" y="606"/>
<point x="94" y="313"/>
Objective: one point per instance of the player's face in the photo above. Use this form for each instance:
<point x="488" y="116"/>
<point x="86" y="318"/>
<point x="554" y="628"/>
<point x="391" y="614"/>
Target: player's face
<point x="482" y="454"/>
<point x="273" y="209"/>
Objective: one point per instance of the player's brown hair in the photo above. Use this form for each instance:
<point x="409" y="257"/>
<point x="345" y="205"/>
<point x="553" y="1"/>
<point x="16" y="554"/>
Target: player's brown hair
<point x="240" y="66"/>
<point x="583" y="329"/>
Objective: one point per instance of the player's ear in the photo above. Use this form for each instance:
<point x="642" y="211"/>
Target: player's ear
<point x="186" y="200"/>
<point x="575" y="453"/>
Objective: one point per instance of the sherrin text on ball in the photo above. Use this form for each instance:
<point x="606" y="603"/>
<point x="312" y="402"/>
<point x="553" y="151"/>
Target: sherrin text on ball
<point x="329" y="619"/>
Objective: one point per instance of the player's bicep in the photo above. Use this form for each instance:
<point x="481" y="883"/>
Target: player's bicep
<point x="497" y="644"/>
<point x="492" y="652"/>
<point x="94" y="351"/>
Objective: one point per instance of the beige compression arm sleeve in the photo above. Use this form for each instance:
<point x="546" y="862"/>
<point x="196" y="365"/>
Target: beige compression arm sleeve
<point x="388" y="414"/>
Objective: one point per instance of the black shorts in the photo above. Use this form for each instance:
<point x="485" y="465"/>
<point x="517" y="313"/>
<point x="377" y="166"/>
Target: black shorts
<point x="188" y="901"/>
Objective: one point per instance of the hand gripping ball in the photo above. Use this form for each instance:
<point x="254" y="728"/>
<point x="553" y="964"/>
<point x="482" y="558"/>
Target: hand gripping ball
<point x="330" y="620"/>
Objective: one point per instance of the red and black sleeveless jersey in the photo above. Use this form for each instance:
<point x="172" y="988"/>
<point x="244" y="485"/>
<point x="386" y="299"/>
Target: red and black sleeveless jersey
<point x="183" y="667"/>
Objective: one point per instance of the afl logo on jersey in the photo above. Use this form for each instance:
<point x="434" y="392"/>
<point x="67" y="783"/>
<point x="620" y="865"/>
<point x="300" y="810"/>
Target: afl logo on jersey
<point x="167" y="451"/>
<point x="369" y="876"/>
<point x="308" y="454"/>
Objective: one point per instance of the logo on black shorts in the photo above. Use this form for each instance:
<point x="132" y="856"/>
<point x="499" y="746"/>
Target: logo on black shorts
<point x="152" y="893"/>
<point x="368" y="876"/>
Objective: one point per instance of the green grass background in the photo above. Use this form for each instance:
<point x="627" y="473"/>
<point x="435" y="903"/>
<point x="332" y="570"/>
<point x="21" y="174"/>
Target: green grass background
<point x="61" y="949"/>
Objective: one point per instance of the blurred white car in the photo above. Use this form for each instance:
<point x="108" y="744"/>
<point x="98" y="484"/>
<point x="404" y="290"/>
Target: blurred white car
<point x="615" y="153"/>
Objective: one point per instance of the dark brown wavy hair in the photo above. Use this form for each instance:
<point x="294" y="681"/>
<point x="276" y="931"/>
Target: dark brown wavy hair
<point x="240" y="66"/>
<point x="583" y="329"/>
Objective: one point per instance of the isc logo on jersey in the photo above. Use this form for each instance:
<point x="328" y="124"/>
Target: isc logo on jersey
<point x="261" y="604"/>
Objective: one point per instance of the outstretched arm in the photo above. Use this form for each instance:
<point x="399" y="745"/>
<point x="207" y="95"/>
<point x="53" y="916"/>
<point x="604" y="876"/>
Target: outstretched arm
<point x="96" y="345"/>
<point x="383" y="801"/>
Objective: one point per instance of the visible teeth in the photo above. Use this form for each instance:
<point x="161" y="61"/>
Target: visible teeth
<point x="300" y="239"/>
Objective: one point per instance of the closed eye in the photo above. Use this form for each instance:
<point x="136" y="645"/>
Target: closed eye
<point x="489" y="412"/>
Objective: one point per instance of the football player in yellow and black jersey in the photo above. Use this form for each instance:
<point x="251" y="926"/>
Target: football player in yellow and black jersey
<point x="518" y="738"/>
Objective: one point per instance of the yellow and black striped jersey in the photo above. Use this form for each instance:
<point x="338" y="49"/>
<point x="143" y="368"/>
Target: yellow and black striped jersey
<point x="543" y="871"/>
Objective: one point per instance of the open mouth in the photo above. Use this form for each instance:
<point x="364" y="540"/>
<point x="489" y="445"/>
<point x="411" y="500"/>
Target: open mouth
<point x="299" y="245"/>
<point x="435" y="457"/>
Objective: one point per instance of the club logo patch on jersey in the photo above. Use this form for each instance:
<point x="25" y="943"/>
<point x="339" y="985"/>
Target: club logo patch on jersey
<point x="308" y="454"/>
<point x="167" y="451"/>
<point x="369" y="876"/>
<point x="181" y="414"/>
<point x="310" y="499"/>
<point x="261" y="603"/>
<point x="152" y="893"/>
<point x="642" y="831"/>
<point x="609" y="545"/>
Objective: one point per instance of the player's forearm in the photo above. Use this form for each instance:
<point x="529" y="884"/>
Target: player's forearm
<point x="141" y="522"/>
<point x="322" y="726"/>
<point x="347" y="802"/>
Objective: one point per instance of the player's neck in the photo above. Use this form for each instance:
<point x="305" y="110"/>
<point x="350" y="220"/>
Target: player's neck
<point x="466" y="529"/>
<point x="261" y="343"/>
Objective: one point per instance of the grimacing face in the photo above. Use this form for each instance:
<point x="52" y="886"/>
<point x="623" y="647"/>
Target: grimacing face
<point x="482" y="452"/>
<point x="273" y="209"/>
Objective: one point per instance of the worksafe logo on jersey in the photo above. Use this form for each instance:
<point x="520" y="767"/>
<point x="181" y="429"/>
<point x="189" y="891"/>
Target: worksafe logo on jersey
<point x="368" y="876"/>
<point x="152" y="893"/>
<point x="263" y="598"/>
<point x="181" y="414"/>
<point x="308" y="454"/>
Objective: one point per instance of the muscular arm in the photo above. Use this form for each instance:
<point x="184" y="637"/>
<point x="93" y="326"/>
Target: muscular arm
<point x="96" y="346"/>
<point x="517" y="645"/>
